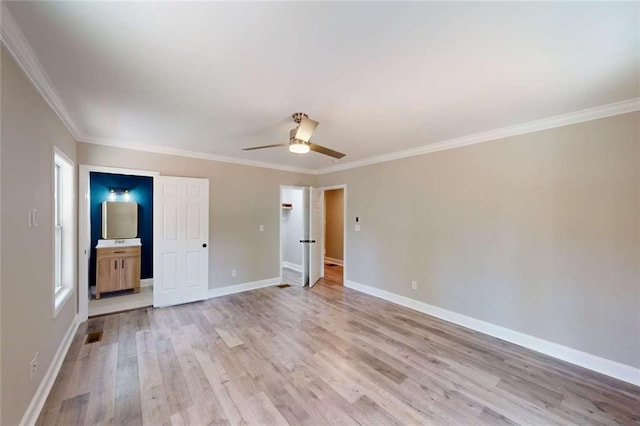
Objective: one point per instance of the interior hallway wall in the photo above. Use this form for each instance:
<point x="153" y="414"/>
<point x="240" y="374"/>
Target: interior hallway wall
<point x="334" y="223"/>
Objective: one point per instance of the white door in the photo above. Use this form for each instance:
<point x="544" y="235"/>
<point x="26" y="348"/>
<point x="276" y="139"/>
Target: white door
<point x="180" y="239"/>
<point x="315" y="233"/>
<point x="306" y="236"/>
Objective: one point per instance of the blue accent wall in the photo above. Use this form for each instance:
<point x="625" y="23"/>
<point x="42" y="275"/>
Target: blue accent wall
<point x="140" y="191"/>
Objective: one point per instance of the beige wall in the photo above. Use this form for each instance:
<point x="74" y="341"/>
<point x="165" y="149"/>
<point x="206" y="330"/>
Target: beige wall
<point x="241" y="199"/>
<point x="334" y="223"/>
<point x="539" y="233"/>
<point x="30" y="129"/>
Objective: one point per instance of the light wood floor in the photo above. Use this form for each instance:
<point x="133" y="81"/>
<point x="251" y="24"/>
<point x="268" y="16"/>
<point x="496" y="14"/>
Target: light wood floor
<point x="332" y="273"/>
<point x="291" y="277"/>
<point x="121" y="301"/>
<point x="328" y="355"/>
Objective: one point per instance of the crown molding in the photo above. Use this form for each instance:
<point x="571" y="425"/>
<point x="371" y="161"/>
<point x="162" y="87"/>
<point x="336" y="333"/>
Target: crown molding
<point x="603" y="111"/>
<point x="193" y="154"/>
<point x="617" y="108"/>
<point x="12" y="38"/>
<point x="16" y="44"/>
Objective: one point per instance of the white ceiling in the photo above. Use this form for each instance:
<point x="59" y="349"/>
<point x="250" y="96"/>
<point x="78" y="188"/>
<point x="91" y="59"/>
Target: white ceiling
<point x="379" y="77"/>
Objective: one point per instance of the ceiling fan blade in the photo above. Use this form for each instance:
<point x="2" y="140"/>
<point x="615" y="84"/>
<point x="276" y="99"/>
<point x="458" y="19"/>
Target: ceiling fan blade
<point x="305" y="129"/>
<point x="264" y="146"/>
<point x="326" y="151"/>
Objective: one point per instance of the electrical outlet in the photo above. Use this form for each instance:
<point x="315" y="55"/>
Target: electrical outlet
<point x="33" y="218"/>
<point x="414" y="285"/>
<point x="234" y="272"/>
<point x="34" y="366"/>
<point x="261" y="228"/>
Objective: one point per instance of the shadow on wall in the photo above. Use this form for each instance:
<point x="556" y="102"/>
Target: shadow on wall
<point x="140" y="191"/>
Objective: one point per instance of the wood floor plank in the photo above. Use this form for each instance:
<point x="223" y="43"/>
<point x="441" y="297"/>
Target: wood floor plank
<point x="178" y="395"/>
<point x="73" y="411"/>
<point x="327" y="355"/>
<point x="229" y="337"/>
<point x="127" y="407"/>
<point x="102" y="396"/>
<point x="155" y="408"/>
<point x="225" y="391"/>
<point x="265" y="412"/>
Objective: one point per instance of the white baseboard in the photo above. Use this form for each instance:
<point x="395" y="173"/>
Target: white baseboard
<point x="37" y="402"/>
<point x="146" y="282"/>
<point x="332" y="260"/>
<point x="583" y="359"/>
<point x="239" y="288"/>
<point x="291" y="265"/>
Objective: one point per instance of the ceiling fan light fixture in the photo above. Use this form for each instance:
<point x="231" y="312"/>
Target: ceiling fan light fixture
<point x="299" y="139"/>
<point x="299" y="147"/>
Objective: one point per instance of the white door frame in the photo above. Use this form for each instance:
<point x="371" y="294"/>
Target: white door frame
<point x="344" y="227"/>
<point x="280" y="225"/>
<point x="84" y="227"/>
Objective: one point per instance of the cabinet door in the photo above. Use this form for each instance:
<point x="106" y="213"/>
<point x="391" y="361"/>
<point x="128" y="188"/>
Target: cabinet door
<point x="108" y="271"/>
<point x="129" y="272"/>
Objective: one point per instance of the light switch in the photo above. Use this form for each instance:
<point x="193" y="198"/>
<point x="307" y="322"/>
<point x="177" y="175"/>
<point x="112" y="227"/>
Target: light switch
<point x="261" y="228"/>
<point x="357" y="227"/>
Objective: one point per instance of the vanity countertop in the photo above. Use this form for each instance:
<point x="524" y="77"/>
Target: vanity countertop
<point x="127" y="242"/>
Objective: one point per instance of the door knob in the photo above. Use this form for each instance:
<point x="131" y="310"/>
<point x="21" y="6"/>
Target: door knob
<point x="204" y="245"/>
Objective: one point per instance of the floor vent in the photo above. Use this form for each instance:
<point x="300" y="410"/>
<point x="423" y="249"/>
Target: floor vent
<point x="284" y="286"/>
<point x="93" y="337"/>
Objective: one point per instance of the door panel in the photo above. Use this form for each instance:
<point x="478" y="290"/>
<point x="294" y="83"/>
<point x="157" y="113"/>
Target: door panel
<point x="305" y="235"/>
<point x="193" y="269"/>
<point x="181" y="233"/>
<point x="169" y="268"/>
<point x="193" y="221"/>
<point x="108" y="274"/>
<point x="129" y="270"/>
<point x="315" y="229"/>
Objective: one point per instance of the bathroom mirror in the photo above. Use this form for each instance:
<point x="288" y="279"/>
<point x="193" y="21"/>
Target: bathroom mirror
<point x="119" y="220"/>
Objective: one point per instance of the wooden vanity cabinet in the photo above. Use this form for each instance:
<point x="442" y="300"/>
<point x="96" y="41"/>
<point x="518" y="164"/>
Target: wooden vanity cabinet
<point x="117" y="268"/>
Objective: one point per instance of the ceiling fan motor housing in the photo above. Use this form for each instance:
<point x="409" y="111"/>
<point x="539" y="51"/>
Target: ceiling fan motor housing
<point x="298" y="116"/>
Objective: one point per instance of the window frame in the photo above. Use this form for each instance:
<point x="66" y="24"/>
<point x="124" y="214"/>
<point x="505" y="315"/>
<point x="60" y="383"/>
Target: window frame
<point x="63" y="195"/>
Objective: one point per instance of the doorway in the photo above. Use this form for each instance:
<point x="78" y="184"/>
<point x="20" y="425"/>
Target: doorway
<point x="334" y="214"/>
<point x="305" y="235"/>
<point x="97" y="185"/>
<point x="292" y="226"/>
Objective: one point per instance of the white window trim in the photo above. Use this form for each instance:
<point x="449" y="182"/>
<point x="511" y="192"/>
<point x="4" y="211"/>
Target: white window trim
<point x="61" y="294"/>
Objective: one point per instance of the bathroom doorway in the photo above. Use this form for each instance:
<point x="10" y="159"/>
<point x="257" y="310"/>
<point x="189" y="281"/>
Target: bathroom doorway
<point x="125" y="265"/>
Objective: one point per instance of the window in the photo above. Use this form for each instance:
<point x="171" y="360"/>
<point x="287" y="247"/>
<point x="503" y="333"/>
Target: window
<point x="63" y="220"/>
<point x="57" y="224"/>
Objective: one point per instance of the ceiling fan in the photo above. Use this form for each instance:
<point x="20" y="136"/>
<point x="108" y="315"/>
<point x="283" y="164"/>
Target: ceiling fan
<point x="299" y="138"/>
